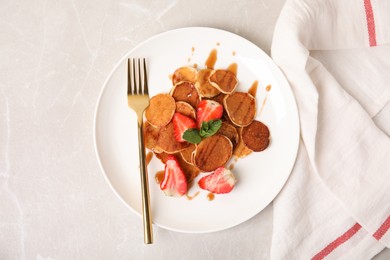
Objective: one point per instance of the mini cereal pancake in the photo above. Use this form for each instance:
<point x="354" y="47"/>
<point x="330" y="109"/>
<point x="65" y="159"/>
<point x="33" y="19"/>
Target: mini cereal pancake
<point x="219" y="98"/>
<point x="230" y="132"/>
<point x="186" y="91"/>
<point x="167" y="141"/>
<point x="185" y="109"/>
<point x="184" y="74"/>
<point x="224" y="80"/>
<point x="213" y="152"/>
<point x="240" y="107"/>
<point x="205" y="88"/>
<point x="151" y="134"/>
<point x="186" y="154"/>
<point x="190" y="171"/>
<point x="256" y="136"/>
<point x="160" y="110"/>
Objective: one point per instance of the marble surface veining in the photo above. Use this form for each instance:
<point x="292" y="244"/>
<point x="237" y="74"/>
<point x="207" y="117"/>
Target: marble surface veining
<point x="55" y="57"/>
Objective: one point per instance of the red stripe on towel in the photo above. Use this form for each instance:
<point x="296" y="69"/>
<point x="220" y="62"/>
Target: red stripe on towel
<point x="370" y="22"/>
<point x="382" y="229"/>
<point x="336" y="243"/>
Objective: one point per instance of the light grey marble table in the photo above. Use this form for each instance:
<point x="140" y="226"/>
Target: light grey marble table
<point x="54" y="59"/>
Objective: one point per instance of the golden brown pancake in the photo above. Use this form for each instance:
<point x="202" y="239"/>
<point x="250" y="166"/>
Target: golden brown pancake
<point x="241" y="108"/>
<point x="185" y="109"/>
<point x="160" y="110"/>
<point x="186" y="154"/>
<point x="184" y="74"/>
<point x="213" y="152"/>
<point x="205" y="88"/>
<point x="151" y="134"/>
<point x="167" y="141"/>
<point x="223" y="80"/>
<point x="219" y="98"/>
<point x="186" y="91"/>
<point x="190" y="171"/>
<point x="230" y="132"/>
<point x="256" y="136"/>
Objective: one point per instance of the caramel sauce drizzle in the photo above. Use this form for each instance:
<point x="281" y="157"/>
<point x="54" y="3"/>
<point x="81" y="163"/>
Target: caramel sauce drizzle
<point x="233" y="68"/>
<point x="268" y="89"/>
<point x="159" y="176"/>
<point x="193" y="196"/>
<point x="212" y="59"/>
<point x="210" y="196"/>
<point x="253" y="89"/>
<point x="148" y="158"/>
<point x="192" y="54"/>
<point x="241" y="151"/>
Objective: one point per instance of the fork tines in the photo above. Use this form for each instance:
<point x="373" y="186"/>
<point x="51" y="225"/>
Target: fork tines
<point x="137" y="81"/>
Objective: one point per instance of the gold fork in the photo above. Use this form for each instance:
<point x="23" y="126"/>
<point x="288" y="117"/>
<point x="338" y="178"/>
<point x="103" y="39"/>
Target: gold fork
<point x="138" y="100"/>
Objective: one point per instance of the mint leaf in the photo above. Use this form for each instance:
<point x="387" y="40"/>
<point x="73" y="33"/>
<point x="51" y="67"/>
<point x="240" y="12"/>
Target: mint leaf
<point x="215" y="125"/>
<point x="192" y="136"/>
<point x="210" y="128"/>
<point x="204" y="128"/>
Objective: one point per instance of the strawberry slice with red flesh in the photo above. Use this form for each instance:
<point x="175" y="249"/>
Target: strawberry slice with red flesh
<point x="181" y="123"/>
<point x="174" y="183"/>
<point x="220" y="181"/>
<point x="208" y="110"/>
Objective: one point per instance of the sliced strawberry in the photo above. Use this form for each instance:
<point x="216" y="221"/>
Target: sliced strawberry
<point x="174" y="183"/>
<point x="181" y="123"/>
<point x="208" y="110"/>
<point x="220" y="181"/>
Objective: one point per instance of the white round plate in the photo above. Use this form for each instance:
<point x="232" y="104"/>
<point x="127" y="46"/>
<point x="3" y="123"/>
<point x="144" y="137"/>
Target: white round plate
<point x="260" y="176"/>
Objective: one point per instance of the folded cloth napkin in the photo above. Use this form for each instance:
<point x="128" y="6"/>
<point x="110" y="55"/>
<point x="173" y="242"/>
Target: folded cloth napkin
<point x="336" y="56"/>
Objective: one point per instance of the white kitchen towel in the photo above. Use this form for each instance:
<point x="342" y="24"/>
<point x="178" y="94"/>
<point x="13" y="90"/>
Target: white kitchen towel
<point x="336" y="56"/>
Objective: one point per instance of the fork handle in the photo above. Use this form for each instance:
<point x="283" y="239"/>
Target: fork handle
<point x="146" y="213"/>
